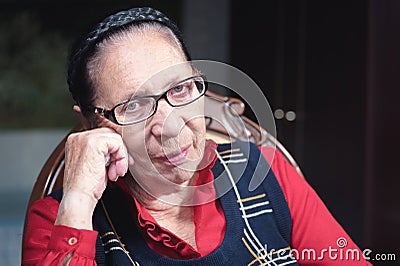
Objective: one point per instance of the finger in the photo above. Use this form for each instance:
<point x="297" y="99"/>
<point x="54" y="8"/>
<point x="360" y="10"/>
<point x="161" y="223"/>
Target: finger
<point x="107" y="159"/>
<point x="117" y="136"/>
<point x="112" y="172"/>
<point x="121" y="167"/>
<point x="116" y="154"/>
<point x="119" y="158"/>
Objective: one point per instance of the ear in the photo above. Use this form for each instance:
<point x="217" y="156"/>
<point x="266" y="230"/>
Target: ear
<point x="84" y="121"/>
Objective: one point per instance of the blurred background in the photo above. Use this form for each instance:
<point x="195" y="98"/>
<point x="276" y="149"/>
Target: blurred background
<point x="329" y="69"/>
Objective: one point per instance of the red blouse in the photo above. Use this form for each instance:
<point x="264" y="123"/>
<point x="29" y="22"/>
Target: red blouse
<point x="313" y="226"/>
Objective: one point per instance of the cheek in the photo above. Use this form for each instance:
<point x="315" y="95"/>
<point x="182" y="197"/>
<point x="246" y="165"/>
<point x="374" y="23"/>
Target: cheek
<point x="197" y="131"/>
<point x="198" y="128"/>
<point x="194" y="119"/>
<point x="134" y="139"/>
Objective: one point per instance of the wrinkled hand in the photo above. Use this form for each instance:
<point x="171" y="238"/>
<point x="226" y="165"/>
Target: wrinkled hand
<point x="86" y="174"/>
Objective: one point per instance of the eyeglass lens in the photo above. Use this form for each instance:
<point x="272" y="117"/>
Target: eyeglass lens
<point x="140" y="108"/>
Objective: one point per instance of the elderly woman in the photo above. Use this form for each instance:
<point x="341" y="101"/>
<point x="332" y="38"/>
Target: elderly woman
<point x="124" y="199"/>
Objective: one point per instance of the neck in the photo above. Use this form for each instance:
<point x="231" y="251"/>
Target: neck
<point x="178" y="219"/>
<point x="164" y="202"/>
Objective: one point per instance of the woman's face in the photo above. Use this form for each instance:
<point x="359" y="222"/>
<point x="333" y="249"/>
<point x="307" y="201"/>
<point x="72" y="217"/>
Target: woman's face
<point x="169" y="145"/>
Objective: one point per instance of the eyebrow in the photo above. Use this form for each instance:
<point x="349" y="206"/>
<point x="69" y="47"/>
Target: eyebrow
<point x="176" y="79"/>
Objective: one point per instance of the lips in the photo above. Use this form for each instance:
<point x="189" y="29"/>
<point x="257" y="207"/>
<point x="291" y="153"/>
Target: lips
<point x="173" y="157"/>
<point x="177" y="157"/>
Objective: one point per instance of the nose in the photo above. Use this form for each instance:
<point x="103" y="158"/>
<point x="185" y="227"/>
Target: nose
<point x="167" y="121"/>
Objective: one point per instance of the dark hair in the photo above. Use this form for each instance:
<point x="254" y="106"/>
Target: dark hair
<point x="80" y="85"/>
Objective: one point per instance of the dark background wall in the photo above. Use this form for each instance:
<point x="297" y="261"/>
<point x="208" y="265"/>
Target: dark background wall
<point x="383" y="128"/>
<point x="336" y="65"/>
<point x="309" y="57"/>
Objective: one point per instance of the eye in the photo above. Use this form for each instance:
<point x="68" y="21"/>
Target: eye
<point x="131" y="106"/>
<point x="180" y="89"/>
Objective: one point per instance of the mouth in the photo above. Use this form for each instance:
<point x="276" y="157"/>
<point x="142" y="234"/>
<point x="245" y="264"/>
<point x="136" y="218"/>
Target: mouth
<point x="175" y="158"/>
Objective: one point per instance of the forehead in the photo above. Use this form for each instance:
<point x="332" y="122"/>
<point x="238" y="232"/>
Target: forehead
<point x="139" y="64"/>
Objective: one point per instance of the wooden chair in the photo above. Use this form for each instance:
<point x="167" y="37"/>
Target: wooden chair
<point x="51" y="175"/>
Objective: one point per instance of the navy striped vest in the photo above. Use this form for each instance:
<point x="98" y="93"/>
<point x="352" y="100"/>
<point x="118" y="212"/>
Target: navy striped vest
<point x="258" y="222"/>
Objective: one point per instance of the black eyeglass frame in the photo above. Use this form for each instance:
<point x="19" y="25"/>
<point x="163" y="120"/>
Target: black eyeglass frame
<point x="110" y="114"/>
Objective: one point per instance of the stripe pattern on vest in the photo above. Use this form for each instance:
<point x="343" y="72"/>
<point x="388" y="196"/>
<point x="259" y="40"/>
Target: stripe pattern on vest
<point x="252" y="207"/>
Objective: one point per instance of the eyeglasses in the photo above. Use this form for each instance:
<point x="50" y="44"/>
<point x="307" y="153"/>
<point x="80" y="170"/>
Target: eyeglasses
<point x="138" y="109"/>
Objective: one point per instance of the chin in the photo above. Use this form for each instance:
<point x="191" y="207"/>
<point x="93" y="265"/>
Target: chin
<point x="177" y="174"/>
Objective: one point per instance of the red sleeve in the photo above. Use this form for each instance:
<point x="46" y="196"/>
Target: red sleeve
<point x="317" y="238"/>
<point x="47" y="244"/>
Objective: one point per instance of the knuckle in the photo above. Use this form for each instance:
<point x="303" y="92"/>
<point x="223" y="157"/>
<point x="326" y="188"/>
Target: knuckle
<point x="77" y="140"/>
<point x="71" y="139"/>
